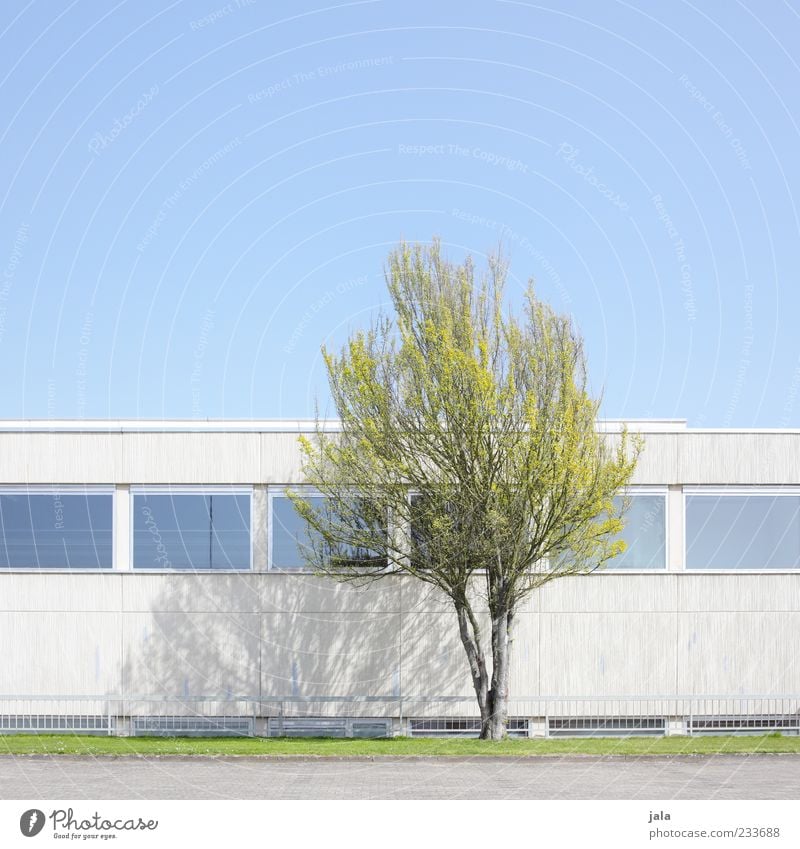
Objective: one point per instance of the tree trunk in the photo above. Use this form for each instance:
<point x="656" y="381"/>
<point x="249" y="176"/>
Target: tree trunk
<point x="495" y="725"/>
<point x="469" y="631"/>
<point x="491" y="691"/>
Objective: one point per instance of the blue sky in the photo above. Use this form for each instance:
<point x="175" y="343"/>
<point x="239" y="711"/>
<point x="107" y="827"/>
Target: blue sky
<point x="194" y="196"/>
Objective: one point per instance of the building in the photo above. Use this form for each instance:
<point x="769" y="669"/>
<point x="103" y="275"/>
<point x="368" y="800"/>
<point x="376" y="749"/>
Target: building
<point x="150" y="581"/>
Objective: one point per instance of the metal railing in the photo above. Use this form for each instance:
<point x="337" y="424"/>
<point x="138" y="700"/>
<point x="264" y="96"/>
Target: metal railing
<point x="370" y="716"/>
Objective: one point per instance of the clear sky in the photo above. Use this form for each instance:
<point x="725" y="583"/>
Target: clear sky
<point x="194" y="196"/>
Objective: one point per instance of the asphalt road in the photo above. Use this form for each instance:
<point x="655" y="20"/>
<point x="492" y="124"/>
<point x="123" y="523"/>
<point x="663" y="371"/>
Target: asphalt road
<point x="719" y="777"/>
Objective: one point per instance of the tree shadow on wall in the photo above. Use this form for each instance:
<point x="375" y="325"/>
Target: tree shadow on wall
<point x="270" y="644"/>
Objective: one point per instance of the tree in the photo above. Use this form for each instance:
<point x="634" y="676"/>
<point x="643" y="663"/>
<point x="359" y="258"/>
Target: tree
<point x="468" y="456"/>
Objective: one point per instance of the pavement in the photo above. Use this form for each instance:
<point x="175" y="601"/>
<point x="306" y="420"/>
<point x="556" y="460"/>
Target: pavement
<point x="571" y="777"/>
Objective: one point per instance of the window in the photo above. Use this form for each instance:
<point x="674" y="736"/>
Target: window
<point x="288" y="533"/>
<point x="56" y="529"/>
<point x="645" y="533"/>
<point x="741" y="530"/>
<point x="185" y="529"/>
<point x="426" y="543"/>
<point x="290" y="540"/>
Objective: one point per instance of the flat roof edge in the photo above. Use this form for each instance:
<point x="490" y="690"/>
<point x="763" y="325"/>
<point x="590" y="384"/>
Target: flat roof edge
<point x="303" y="425"/>
<point x="306" y="425"/>
<point x="665" y="426"/>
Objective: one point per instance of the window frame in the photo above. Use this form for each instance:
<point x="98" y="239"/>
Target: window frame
<point x="749" y="490"/>
<point x="67" y="489"/>
<point x="187" y="489"/>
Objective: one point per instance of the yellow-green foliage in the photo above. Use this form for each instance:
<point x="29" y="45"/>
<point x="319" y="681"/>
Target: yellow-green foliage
<point x="486" y="416"/>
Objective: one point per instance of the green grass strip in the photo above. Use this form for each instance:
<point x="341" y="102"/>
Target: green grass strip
<point x="64" y="744"/>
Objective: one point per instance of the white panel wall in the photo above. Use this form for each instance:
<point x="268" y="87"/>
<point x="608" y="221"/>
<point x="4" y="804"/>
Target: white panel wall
<point x="612" y="592"/>
<point x="278" y="636"/>
<point x="599" y="655"/>
<point x="61" y="458"/>
<point x="433" y="659"/>
<point x="741" y="458"/>
<point x="739" y="653"/>
<point x="60" y="653"/>
<point x="190" y="654"/>
<point x="733" y="593"/>
<point x="221" y="458"/>
<point x="222" y="592"/>
<point x="286" y="593"/>
<point x="330" y="654"/>
<point x="681" y="457"/>
<point x="280" y="458"/>
<point x="272" y="635"/>
<point x="43" y="592"/>
<point x="658" y="462"/>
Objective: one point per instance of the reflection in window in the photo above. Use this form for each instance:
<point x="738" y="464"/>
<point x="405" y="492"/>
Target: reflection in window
<point x="742" y="532"/>
<point x="209" y="530"/>
<point x="645" y="533"/>
<point x="56" y="530"/>
<point x="427" y="544"/>
<point x="292" y="546"/>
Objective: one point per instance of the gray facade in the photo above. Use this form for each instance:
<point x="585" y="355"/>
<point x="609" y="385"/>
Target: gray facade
<point x="658" y="633"/>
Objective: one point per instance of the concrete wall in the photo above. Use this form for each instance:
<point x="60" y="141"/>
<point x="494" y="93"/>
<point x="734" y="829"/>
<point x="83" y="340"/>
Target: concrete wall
<point x="130" y="457"/>
<point x="272" y="635"/>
